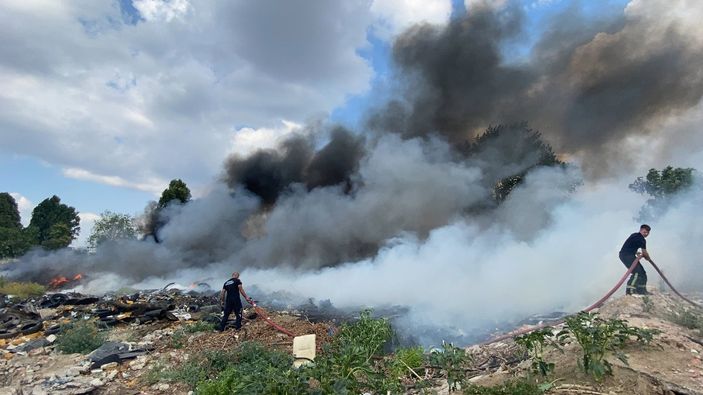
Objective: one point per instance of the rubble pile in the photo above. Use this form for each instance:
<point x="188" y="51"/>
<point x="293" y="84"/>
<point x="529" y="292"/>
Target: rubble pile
<point x="146" y="330"/>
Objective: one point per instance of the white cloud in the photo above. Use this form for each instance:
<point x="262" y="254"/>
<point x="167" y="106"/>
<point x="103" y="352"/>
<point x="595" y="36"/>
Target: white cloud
<point x="155" y="186"/>
<point x="85" y="88"/>
<point x="25" y="207"/>
<point x="165" y="10"/>
<point x="395" y="16"/>
<point x="248" y="140"/>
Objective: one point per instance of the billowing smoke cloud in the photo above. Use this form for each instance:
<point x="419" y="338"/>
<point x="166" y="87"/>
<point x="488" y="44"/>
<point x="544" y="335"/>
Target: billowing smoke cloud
<point x="409" y="217"/>
<point x="269" y="173"/>
<point x="585" y="88"/>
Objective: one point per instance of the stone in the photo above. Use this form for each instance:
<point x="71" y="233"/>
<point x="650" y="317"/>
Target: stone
<point x="96" y="383"/>
<point x="51" y="338"/>
<point x="109" y="366"/>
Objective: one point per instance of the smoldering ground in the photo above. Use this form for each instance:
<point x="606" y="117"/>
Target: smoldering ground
<point x="399" y="214"/>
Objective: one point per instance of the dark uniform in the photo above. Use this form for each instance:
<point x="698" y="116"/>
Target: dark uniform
<point x="233" y="304"/>
<point x="638" y="279"/>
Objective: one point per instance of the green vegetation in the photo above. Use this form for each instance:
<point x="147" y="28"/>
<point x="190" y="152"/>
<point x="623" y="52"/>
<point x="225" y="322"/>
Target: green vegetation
<point x="112" y="226"/>
<point x="408" y="362"/>
<point x="177" y="190"/>
<point x="523" y="145"/>
<point x="22" y="290"/>
<point x="14" y="240"/>
<point x="53" y="225"/>
<point x="661" y="186"/>
<point x="535" y="343"/>
<point x="599" y="338"/>
<point x="687" y="318"/>
<point x="451" y="360"/>
<point x="79" y="337"/>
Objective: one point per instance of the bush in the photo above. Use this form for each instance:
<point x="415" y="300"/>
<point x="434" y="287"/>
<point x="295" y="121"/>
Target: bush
<point x="406" y="359"/>
<point x="598" y="337"/>
<point x="79" y="337"/>
<point x="252" y="368"/>
<point x="349" y="363"/>
<point x="22" y="290"/>
<point x="535" y="343"/>
<point x="452" y="360"/>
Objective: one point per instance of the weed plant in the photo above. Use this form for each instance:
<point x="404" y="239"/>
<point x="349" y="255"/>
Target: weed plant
<point x="407" y="362"/>
<point x="79" y="337"/>
<point x="598" y="338"/>
<point x="22" y="290"/>
<point x="535" y="344"/>
<point x="452" y="360"/>
<point x="688" y="319"/>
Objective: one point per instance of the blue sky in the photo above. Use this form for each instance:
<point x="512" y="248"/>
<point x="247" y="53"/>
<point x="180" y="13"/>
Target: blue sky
<point x="144" y="91"/>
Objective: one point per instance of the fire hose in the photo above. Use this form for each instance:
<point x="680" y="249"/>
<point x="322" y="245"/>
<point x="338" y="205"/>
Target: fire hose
<point x="600" y="302"/>
<point x="263" y="314"/>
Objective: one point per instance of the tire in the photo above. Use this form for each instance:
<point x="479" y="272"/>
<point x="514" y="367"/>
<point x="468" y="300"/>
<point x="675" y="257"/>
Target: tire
<point x="30" y="327"/>
<point x="6" y="334"/>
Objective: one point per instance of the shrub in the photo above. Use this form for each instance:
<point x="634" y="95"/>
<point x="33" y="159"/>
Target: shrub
<point x="79" y="337"/>
<point x="22" y="290"/>
<point x="598" y="337"/>
<point x="535" y="343"/>
<point x="452" y="360"/>
<point x="253" y="368"/>
<point x="348" y="363"/>
<point x="406" y="359"/>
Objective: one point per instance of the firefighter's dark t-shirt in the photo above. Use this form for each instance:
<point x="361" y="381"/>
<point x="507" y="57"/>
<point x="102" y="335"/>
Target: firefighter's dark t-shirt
<point x="633" y="243"/>
<point x="232" y="288"/>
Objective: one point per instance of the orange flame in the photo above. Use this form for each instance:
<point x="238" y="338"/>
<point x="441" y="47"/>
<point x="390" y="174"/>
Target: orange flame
<point x="59" y="281"/>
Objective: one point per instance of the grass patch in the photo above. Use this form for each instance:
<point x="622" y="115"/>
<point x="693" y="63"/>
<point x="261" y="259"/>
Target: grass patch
<point x="79" y="337"/>
<point x="199" y="326"/>
<point x="687" y="318"/>
<point x="22" y="290"/>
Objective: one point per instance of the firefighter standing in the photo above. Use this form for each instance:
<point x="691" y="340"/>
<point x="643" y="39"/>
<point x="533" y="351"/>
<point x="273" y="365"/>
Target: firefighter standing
<point x="229" y="296"/>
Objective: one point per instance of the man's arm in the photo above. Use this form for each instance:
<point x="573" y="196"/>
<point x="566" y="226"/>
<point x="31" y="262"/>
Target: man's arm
<point x="222" y="296"/>
<point x="645" y="254"/>
<point x="241" y="291"/>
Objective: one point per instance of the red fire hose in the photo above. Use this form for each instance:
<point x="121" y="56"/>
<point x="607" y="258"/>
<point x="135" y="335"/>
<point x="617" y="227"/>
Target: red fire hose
<point x="593" y="306"/>
<point x="262" y="313"/>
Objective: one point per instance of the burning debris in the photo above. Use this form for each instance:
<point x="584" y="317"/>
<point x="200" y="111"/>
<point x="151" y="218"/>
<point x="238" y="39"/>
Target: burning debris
<point x="64" y="282"/>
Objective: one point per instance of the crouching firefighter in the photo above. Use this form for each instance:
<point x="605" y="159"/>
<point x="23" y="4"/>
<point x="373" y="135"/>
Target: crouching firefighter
<point x="637" y="285"/>
<point x="229" y="296"/>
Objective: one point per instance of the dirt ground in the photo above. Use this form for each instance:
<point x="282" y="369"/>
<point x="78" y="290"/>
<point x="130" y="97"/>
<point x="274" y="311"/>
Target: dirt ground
<point x="670" y="365"/>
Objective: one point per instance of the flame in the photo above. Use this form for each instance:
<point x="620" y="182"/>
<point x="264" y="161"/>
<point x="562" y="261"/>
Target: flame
<point x="60" y="281"/>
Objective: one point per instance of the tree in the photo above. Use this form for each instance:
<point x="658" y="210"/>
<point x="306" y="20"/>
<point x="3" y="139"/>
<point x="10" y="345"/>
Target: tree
<point x="515" y="147"/>
<point x="661" y="186"/>
<point x="54" y="225"/>
<point x="112" y="226"/>
<point x="9" y="213"/>
<point x="14" y="241"/>
<point x="177" y="190"/>
<point x="152" y="220"/>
